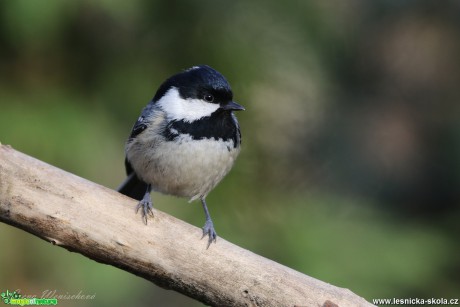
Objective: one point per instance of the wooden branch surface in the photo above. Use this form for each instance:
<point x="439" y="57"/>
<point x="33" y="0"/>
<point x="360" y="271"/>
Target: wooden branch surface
<point x="101" y="224"/>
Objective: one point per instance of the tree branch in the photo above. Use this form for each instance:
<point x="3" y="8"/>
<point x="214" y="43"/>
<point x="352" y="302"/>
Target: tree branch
<point x="100" y="223"/>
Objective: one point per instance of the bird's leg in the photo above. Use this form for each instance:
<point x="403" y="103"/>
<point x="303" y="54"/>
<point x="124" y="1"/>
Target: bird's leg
<point x="146" y="205"/>
<point x="208" y="228"/>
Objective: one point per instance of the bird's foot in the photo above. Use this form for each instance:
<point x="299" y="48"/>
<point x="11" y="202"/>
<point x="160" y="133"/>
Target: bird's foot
<point x="147" y="208"/>
<point x="208" y="229"/>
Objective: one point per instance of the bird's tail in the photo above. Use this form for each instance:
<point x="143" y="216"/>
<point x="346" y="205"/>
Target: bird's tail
<point x="133" y="187"/>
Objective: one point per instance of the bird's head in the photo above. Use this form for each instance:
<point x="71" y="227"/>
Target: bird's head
<point x="195" y="93"/>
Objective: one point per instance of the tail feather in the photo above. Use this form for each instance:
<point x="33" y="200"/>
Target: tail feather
<point x="133" y="187"/>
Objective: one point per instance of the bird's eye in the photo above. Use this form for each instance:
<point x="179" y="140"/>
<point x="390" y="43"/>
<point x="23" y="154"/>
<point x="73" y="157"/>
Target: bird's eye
<point x="208" y="98"/>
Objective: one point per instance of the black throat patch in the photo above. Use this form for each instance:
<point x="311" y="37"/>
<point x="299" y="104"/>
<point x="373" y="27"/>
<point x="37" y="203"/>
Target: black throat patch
<point x="220" y="125"/>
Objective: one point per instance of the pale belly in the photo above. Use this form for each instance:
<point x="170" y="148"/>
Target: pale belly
<point x="186" y="169"/>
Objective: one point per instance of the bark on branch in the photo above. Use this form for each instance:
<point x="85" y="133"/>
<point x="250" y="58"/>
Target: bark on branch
<point x="100" y="223"/>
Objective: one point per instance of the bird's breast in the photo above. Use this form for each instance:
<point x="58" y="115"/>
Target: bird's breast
<point x="181" y="165"/>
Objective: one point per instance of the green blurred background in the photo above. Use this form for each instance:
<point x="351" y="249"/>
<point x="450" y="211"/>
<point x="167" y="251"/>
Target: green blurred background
<point x="350" y="166"/>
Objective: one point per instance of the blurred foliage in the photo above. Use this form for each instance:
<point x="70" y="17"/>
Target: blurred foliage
<point x="350" y="167"/>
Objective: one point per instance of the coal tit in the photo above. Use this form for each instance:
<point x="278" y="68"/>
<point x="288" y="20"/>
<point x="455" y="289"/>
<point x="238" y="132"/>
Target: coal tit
<point x="184" y="142"/>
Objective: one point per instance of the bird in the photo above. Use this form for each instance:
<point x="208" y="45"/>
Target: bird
<point x="184" y="142"/>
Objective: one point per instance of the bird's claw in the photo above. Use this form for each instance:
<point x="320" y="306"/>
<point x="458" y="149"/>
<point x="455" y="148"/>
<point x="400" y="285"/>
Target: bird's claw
<point x="147" y="209"/>
<point x="208" y="229"/>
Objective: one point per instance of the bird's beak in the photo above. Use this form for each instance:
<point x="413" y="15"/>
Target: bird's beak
<point x="233" y="106"/>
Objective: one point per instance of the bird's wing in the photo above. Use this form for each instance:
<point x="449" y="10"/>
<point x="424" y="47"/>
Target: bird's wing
<point x="141" y="123"/>
<point x="133" y="186"/>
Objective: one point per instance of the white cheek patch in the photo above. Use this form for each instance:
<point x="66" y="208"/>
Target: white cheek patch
<point x="188" y="110"/>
